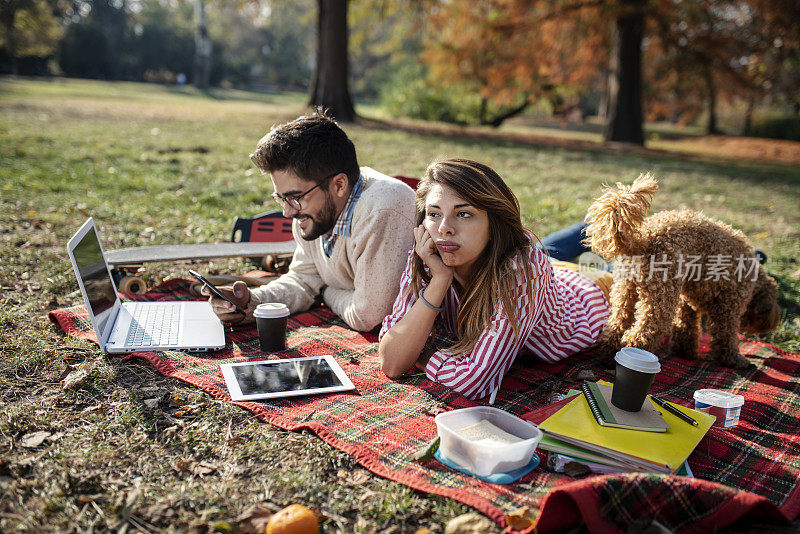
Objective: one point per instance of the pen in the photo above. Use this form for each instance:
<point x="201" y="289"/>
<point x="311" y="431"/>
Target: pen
<point x="673" y="410"/>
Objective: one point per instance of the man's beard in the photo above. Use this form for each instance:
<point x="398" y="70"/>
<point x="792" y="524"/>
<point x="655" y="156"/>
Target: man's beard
<point x="322" y="222"/>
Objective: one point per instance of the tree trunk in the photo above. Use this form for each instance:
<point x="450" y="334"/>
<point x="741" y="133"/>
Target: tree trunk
<point x="625" y="81"/>
<point x="602" y="106"/>
<point x="202" y="43"/>
<point x="330" y="87"/>
<point x="748" y="115"/>
<point x="9" y="17"/>
<point x="711" y="127"/>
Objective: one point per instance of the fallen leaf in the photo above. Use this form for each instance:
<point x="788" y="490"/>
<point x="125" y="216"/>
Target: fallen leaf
<point x="359" y="478"/>
<point x="433" y="410"/>
<point x="151" y="403"/>
<point x="576" y="470"/>
<point x="75" y="379"/>
<point x="183" y="466"/>
<point x="423" y="530"/>
<point x="520" y="518"/>
<point x="34" y="439"/>
<point x="426" y="453"/>
<point x="67" y="370"/>
<point x="585" y="374"/>
<point x="86" y="499"/>
<point x="190" y="409"/>
<point x="471" y="523"/>
<point x="197" y="468"/>
<point x="203" y="468"/>
<point x="162" y="511"/>
<point x="254" y="519"/>
<point x="91" y="409"/>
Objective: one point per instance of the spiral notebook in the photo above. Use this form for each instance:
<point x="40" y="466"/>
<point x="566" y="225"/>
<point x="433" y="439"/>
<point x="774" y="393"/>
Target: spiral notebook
<point x="598" y="396"/>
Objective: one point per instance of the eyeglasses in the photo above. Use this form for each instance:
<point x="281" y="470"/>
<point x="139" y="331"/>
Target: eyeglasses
<point x="294" y="200"/>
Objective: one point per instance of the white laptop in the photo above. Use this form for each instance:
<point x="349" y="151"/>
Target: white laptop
<point x="137" y="326"/>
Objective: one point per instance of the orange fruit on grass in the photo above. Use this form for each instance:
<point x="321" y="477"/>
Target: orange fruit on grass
<point x="294" y="519"/>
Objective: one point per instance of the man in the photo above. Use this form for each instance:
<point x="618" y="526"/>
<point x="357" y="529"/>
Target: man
<point x="353" y="227"/>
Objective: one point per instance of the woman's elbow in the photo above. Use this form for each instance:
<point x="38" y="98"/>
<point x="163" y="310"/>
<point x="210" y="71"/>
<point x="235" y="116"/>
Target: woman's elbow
<point x="389" y="365"/>
<point x="389" y="368"/>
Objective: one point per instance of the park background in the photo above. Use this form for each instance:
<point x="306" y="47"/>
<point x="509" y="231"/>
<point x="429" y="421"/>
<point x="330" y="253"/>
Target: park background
<point x="96" y="119"/>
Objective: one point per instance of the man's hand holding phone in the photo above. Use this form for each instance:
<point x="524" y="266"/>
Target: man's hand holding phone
<point x="240" y="295"/>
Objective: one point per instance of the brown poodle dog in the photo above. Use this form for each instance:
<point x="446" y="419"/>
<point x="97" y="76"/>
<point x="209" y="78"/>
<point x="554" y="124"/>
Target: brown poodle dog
<point x="672" y="268"/>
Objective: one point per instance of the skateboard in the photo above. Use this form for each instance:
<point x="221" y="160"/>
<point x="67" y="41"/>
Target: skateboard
<point x="127" y="264"/>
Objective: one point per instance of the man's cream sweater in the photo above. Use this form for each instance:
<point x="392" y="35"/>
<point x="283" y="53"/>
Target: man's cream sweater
<point x="359" y="282"/>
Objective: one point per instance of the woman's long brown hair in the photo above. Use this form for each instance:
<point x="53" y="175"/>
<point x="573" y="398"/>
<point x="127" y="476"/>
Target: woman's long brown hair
<point x="493" y="279"/>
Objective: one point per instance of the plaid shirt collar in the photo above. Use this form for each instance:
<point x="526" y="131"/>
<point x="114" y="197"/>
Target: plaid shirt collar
<point x="342" y="226"/>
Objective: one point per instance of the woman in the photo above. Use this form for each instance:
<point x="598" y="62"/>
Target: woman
<point x="498" y="293"/>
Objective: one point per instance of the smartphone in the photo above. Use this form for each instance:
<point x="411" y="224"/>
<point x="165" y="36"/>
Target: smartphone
<point x="215" y="291"/>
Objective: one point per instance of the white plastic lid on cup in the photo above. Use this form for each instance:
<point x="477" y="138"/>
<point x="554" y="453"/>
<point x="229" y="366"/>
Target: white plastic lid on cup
<point x="638" y="360"/>
<point x="271" y="310"/>
<point x="719" y="398"/>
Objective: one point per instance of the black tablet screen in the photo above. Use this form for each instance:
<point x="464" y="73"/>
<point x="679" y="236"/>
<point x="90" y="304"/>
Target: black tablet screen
<point x="276" y="376"/>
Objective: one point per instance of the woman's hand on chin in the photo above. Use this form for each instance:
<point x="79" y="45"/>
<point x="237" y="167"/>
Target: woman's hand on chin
<point x="425" y="248"/>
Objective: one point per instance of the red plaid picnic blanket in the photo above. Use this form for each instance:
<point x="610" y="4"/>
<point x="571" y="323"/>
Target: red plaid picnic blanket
<point x="749" y="470"/>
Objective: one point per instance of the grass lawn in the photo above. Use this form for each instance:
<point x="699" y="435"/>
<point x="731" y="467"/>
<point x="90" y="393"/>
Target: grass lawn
<point x="157" y="165"/>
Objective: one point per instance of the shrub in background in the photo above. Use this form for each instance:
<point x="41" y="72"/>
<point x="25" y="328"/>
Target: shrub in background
<point x="776" y="127"/>
<point x="409" y="93"/>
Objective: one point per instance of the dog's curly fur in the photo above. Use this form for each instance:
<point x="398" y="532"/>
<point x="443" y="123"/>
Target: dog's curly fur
<point x="656" y="300"/>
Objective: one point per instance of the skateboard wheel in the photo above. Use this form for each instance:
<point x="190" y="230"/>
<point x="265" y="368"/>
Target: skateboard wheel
<point x="133" y="284"/>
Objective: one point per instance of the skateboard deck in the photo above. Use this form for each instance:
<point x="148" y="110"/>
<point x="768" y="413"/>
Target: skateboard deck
<point x="203" y="251"/>
<point x="127" y="263"/>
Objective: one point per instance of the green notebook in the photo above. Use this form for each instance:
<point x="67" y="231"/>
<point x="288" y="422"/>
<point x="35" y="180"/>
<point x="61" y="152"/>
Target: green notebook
<point x="598" y="396"/>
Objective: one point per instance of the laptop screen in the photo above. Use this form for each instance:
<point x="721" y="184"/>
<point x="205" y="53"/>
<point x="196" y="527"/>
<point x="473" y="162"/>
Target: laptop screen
<point x="95" y="278"/>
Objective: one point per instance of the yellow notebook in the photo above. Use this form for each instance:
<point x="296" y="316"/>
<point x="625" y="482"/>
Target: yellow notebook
<point x="661" y="452"/>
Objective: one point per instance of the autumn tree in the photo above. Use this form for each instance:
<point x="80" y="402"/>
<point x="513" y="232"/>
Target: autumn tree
<point x="514" y="52"/>
<point x="28" y="28"/>
<point x="691" y="51"/>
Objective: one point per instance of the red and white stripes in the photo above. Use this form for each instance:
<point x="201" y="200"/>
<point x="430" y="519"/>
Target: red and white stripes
<point x="564" y="315"/>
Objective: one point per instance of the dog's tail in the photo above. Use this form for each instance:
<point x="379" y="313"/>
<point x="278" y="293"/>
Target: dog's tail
<point x="615" y="218"/>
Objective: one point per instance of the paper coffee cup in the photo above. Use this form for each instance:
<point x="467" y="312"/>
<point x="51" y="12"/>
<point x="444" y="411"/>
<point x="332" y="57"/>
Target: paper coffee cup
<point x="636" y="370"/>
<point x="271" y="323"/>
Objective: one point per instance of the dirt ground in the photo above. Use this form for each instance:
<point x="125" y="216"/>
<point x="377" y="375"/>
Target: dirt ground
<point x="709" y="147"/>
<point x="746" y="148"/>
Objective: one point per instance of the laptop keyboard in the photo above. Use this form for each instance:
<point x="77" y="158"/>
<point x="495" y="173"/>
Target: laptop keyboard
<point x="155" y="325"/>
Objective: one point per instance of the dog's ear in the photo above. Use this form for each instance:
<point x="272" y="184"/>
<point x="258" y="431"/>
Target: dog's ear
<point x="762" y="314"/>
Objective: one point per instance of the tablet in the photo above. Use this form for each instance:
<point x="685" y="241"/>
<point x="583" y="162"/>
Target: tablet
<point x="270" y="379"/>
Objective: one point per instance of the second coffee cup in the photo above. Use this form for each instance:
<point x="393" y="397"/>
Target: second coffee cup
<point x="636" y="370"/>
<point x="271" y="323"/>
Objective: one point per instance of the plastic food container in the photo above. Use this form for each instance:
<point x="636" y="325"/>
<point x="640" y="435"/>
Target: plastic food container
<point x="725" y="406"/>
<point x="479" y="458"/>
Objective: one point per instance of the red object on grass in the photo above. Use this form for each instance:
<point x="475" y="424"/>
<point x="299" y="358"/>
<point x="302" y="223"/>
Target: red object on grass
<point x="268" y="227"/>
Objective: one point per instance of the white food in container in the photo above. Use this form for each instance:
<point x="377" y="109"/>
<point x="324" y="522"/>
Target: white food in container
<point x="500" y="442"/>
